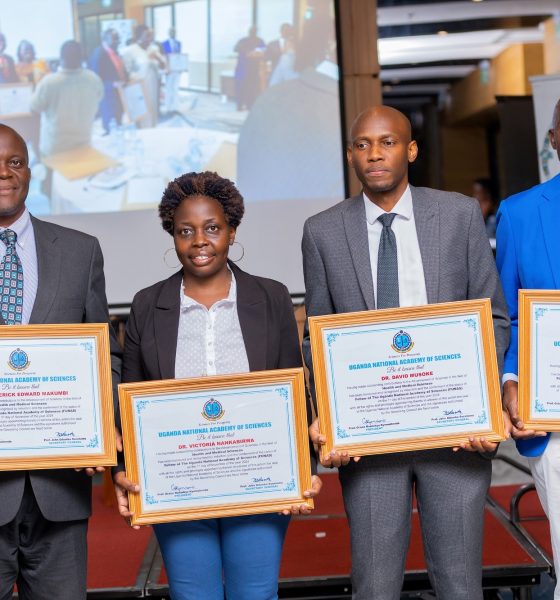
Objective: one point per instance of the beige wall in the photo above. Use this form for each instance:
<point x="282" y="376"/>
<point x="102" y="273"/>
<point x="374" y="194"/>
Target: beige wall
<point x="509" y="76"/>
<point x="464" y="157"/>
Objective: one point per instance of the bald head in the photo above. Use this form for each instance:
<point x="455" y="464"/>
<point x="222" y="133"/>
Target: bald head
<point x="389" y="115"/>
<point x="554" y="131"/>
<point x="380" y="150"/>
<point x="17" y="140"/>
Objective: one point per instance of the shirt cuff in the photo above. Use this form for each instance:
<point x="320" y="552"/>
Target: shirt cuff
<point x="509" y="377"/>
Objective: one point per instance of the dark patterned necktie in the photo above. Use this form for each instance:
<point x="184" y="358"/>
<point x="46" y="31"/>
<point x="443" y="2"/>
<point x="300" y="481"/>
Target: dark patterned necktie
<point x="11" y="279"/>
<point x="387" y="266"/>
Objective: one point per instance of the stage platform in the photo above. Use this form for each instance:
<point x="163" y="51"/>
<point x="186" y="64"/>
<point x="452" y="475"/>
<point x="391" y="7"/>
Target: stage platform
<point x="124" y="563"/>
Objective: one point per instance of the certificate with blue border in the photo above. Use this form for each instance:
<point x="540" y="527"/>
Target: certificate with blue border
<point x="405" y="379"/>
<point x="56" y="400"/>
<point x="539" y="359"/>
<point x="216" y="446"/>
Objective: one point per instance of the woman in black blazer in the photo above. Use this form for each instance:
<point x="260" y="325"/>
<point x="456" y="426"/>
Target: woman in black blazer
<point x="212" y="318"/>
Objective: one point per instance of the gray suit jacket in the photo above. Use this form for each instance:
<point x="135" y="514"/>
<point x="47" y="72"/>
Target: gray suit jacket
<point x="457" y="259"/>
<point x="71" y="289"/>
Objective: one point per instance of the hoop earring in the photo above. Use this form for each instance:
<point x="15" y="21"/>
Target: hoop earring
<point x="242" y="252"/>
<point x="165" y="259"/>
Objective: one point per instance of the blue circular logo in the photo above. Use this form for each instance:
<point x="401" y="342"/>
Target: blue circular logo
<point x="18" y="360"/>
<point x="212" y="410"/>
<point x="402" y="342"/>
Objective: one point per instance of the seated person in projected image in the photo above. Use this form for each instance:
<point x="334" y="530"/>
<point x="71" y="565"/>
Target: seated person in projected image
<point x="211" y="301"/>
<point x="106" y="62"/>
<point x="28" y="68"/>
<point x="67" y="101"/>
<point x="7" y="68"/>
<point x="292" y="115"/>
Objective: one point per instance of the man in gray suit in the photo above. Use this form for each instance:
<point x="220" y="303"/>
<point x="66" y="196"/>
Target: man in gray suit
<point x="439" y="252"/>
<point x="44" y="513"/>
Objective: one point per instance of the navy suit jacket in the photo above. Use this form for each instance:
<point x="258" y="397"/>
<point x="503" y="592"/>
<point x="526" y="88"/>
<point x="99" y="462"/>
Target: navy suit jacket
<point x="528" y="257"/>
<point x="101" y="63"/>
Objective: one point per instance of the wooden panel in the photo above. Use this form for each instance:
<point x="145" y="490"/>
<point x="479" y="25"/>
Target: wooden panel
<point x="551" y="47"/>
<point x="358" y="26"/>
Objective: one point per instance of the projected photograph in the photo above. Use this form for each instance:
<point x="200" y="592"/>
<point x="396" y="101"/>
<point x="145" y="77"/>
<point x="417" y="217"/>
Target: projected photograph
<point x="117" y="97"/>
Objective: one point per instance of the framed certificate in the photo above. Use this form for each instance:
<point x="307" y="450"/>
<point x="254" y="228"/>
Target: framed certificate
<point x="216" y="446"/>
<point x="134" y="99"/>
<point x="56" y="400"/>
<point x="406" y="379"/>
<point x="539" y="359"/>
<point x="178" y="62"/>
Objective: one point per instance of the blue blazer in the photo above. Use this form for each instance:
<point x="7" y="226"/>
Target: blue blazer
<point x="167" y="47"/>
<point x="528" y="257"/>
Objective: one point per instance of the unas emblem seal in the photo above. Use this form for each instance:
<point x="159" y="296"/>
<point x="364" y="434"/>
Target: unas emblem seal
<point x="212" y="410"/>
<point x="402" y="342"/>
<point x="18" y="360"/>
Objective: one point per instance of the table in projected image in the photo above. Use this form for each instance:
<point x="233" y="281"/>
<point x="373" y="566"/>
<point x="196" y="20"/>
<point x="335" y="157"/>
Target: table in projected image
<point x="147" y="160"/>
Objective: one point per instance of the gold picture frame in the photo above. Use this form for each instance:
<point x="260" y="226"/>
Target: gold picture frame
<point x="167" y="402"/>
<point x="534" y="306"/>
<point x="474" y="316"/>
<point x="51" y="376"/>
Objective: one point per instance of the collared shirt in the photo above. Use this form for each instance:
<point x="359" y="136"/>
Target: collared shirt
<point x="68" y="101"/>
<point x="412" y="285"/>
<point x="209" y="341"/>
<point x="27" y="252"/>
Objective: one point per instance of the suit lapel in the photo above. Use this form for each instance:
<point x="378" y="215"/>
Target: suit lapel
<point x="355" y="226"/>
<point x="549" y="211"/>
<point x="426" y="217"/>
<point x="251" y="309"/>
<point x="49" y="256"/>
<point x="166" y="323"/>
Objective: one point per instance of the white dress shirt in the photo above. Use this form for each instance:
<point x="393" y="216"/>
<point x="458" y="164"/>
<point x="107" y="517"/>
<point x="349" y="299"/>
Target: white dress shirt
<point x="412" y="285"/>
<point x="209" y="341"/>
<point x="27" y="252"/>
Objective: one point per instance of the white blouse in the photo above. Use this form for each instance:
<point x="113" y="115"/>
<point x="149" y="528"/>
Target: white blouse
<point x="209" y="341"/>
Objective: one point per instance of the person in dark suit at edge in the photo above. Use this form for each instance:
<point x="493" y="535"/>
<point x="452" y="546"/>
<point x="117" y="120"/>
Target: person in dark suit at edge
<point x="107" y="63"/>
<point x="44" y="513"/>
<point x="211" y="318"/>
<point x="439" y="253"/>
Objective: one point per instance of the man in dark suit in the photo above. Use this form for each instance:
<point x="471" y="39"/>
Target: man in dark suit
<point x="276" y="48"/>
<point x="44" y="513"/>
<point x="528" y="256"/>
<point x="440" y="254"/>
<point x="106" y="62"/>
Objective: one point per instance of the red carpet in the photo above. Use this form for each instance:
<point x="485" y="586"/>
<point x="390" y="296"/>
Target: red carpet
<point x="115" y="551"/>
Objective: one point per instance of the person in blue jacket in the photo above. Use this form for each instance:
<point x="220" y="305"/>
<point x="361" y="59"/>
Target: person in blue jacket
<point x="528" y="257"/>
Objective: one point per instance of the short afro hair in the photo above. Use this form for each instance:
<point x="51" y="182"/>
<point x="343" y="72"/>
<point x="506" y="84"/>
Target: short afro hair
<point x="207" y="184"/>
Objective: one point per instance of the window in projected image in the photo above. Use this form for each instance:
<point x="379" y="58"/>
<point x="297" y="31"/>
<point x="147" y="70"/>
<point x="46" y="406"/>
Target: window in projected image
<point x="247" y="88"/>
